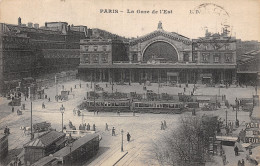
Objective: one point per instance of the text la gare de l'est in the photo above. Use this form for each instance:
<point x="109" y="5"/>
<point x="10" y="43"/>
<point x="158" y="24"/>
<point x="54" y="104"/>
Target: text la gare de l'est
<point x="130" y="11"/>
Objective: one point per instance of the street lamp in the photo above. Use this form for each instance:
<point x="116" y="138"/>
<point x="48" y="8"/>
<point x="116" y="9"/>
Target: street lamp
<point x="62" y="109"/>
<point x="70" y="144"/>
<point x="122" y="132"/>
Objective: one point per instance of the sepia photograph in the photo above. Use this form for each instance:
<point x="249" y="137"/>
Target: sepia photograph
<point x="129" y="83"/>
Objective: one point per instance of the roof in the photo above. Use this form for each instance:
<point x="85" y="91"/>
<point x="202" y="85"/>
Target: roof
<point x="44" y="160"/>
<point x="172" y="35"/>
<point x="77" y="144"/>
<point x="45" y="140"/>
<point x="17" y="28"/>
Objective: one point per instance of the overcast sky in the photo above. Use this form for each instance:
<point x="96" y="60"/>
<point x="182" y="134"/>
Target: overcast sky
<point x="243" y="17"/>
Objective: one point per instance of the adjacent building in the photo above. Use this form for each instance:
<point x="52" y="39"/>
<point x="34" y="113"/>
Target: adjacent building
<point x="29" y="51"/>
<point x="248" y="68"/>
<point x="160" y="56"/>
<point x="44" y="145"/>
<point x="218" y="53"/>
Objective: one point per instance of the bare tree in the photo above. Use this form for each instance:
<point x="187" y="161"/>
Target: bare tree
<point x="188" y="144"/>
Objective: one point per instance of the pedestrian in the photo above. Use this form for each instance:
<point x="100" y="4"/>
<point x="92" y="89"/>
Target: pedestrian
<point x="113" y="131"/>
<point x="106" y="127"/>
<point x="80" y="85"/>
<point x="43" y="106"/>
<point x="71" y="89"/>
<point x="94" y="127"/>
<point x="12" y="108"/>
<point x="24" y="130"/>
<point x="239" y="163"/>
<point x="164" y="124"/>
<point x="128" y="136"/>
<point x="88" y="126"/>
<point x="6" y="130"/>
<point x="49" y="99"/>
<point x="243" y="162"/>
<point x="75" y="86"/>
<point x="236" y="151"/>
<point x="162" y="128"/>
<point x="97" y="112"/>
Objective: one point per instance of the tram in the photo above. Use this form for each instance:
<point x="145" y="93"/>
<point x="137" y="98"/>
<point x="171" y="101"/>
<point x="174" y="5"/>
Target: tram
<point x="158" y="107"/>
<point x="106" y="105"/>
<point x="138" y="106"/>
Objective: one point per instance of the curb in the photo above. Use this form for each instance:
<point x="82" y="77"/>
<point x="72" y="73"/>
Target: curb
<point x="120" y="158"/>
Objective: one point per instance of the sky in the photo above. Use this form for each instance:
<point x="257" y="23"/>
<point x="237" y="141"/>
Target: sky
<point x="242" y="18"/>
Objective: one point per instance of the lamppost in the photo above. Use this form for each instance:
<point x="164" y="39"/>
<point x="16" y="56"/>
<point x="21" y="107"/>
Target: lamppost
<point x="226" y="118"/>
<point x="237" y="107"/>
<point x="70" y="144"/>
<point x="56" y="82"/>
<point x="62" y="109"/>
<point x="122" y="148"/>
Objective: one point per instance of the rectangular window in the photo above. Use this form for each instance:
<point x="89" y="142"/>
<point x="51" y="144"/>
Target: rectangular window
<point x="186" y="57"/>
<point x="216" y="58"/>
<point x="86" y="48"/>
<point x="228" y="58"/>
<point x="227" y="47"/>
<point x="104" y="48"/>
<point x="104" y="58"/>
<point x="86" y="58"/>
<point x="205" y="57"/>
<point x="95" y="58"/>
<point x="95" y="48"/>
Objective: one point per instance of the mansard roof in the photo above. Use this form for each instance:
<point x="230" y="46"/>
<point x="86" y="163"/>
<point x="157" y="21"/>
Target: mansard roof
<point x="161" y="32"/>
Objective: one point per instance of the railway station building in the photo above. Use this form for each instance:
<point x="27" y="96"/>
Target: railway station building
<point x="160" y="56"/>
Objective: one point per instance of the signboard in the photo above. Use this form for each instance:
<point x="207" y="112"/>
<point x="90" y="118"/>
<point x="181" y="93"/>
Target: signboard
<point x="252" y="125"/>
<point x="252" y="140"/>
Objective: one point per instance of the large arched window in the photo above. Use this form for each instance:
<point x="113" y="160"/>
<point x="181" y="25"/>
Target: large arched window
<point x="160" y="51"/>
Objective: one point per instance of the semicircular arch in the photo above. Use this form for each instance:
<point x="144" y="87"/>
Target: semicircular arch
<point x="160" y="49"/>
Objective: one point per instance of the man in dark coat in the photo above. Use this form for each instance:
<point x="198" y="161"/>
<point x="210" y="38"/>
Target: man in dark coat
<point x="236" y="151"/>
<point x="113" y="132"/>
<point x="128" y="137"/>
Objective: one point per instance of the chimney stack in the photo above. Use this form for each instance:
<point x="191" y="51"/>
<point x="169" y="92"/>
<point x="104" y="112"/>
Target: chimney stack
<point x="36" y="26"/>
<point x="45" y="24"/>
<point x="19" y="21"/>
<point x="30" y="24"/>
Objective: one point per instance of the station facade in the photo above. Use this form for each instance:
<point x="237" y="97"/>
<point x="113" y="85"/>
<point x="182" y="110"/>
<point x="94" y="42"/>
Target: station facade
<point x="160" y="56"/>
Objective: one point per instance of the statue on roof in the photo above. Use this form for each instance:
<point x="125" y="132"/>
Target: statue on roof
<point x="159" y="25"/>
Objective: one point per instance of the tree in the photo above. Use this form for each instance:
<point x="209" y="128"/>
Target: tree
<point x="188" y="144"/>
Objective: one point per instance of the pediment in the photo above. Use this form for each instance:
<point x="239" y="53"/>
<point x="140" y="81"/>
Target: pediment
<point x="169" y="35"/>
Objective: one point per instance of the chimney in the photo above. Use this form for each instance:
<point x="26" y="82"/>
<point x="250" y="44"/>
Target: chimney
<point x="36" y="26"/>
<point x="45" y="24"/>
<point x="30" y="24"/>
<point x="19" y="21"/>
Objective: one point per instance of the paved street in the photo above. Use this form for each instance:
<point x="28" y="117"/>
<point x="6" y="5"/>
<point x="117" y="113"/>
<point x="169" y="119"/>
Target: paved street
<point x="143" y="128"/>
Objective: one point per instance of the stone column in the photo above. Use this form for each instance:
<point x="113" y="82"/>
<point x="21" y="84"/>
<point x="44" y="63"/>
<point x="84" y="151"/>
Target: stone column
<point x="130" y="76"/>
<point x="109" y="76"/>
